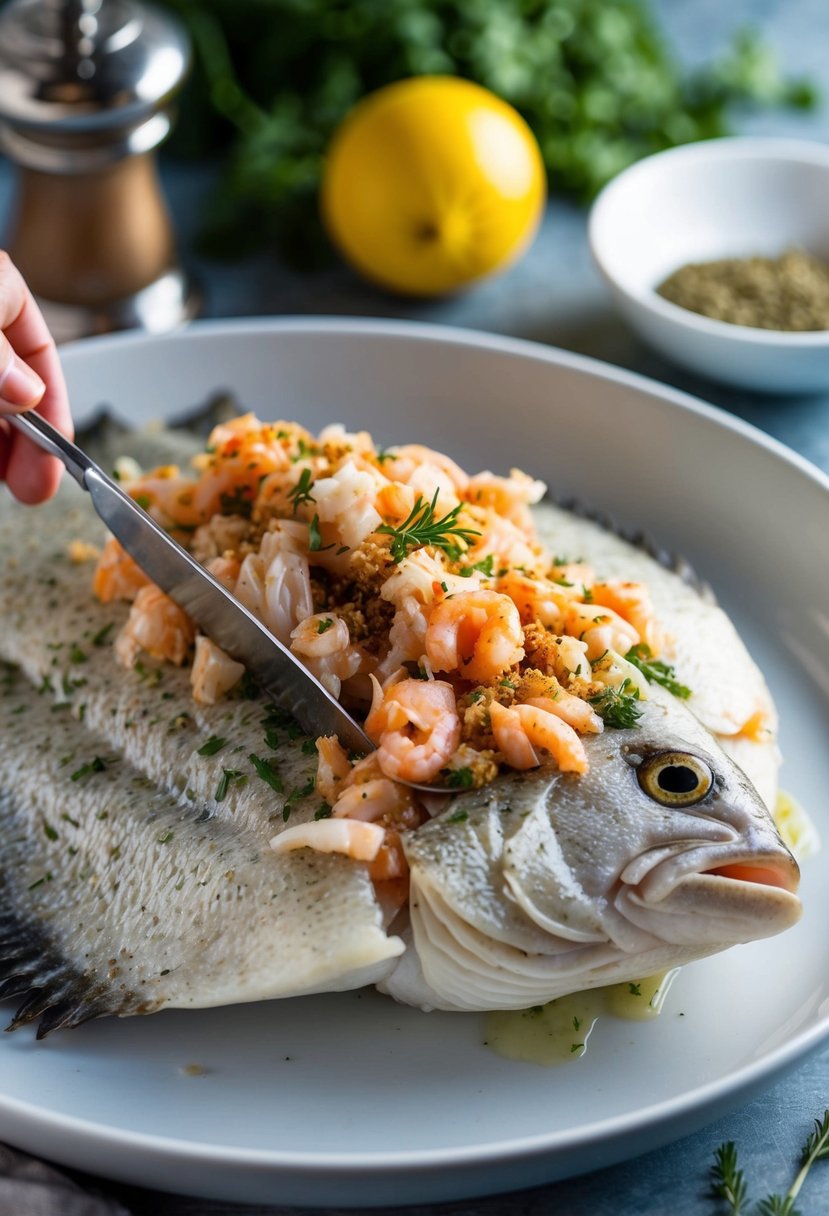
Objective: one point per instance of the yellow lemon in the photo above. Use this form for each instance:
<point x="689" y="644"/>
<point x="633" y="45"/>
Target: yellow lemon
<point x="432" y="183"/>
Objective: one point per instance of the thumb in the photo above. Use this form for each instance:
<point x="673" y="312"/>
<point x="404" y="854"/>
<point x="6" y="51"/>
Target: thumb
<point x="20" y="387"/>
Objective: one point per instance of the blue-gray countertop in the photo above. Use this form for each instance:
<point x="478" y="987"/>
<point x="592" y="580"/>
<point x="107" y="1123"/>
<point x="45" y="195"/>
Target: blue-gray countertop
<point x="555" y="296"/>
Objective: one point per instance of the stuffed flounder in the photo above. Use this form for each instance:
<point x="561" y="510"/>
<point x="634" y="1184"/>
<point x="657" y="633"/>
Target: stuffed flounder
<point x="165" y="849"/>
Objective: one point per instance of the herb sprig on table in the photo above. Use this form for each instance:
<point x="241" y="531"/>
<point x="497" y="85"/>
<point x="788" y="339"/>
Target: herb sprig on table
<point x="596" y="82"/>
<point x="728" y="1180"/>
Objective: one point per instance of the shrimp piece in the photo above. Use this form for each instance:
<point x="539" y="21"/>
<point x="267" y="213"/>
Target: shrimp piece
<point x="510" y="497"/>
<point x="275" y="583"/>
<point x="333" y="766"/>
<point x="600" y="628"/>
<point x="346" y="500"/>
<point x="573" y="710"/>
<point x="395" y="501"/>
<point x="402" y="462"/>
<point x="357" y="840"/>
<point x="225" y="569"/>
<point x="632" y="601"/>
<point x="536" y="599"/>
<point x="506" y="542"/>
<point x="370" y="800"/>
<point x="155" y="624"/>
<point x="417" y="728"/>
<point x="117" y="577"/>
<point x="323" y="643"/>
<point x="477" y="633"/>
<point x="214" y="673"/>
<point x="518" y="731"/>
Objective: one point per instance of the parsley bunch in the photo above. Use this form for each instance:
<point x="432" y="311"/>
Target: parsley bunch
<point x="595" y="81"/>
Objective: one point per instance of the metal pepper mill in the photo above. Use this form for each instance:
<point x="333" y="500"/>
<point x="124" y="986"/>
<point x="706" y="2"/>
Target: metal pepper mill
<point x="85" y="90"/>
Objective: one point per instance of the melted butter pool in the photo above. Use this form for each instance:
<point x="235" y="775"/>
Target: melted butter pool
<point x="559" y="1031"/>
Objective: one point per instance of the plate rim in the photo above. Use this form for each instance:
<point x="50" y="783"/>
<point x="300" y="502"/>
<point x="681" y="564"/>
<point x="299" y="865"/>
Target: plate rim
<point x="714" y="1095"/>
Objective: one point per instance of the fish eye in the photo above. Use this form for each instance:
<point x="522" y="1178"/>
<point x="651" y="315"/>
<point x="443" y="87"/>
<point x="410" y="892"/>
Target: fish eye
<point x="675" y="778"/>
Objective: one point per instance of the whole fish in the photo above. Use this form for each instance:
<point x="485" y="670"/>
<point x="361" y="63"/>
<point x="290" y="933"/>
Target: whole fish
<point x="134" y="855"/>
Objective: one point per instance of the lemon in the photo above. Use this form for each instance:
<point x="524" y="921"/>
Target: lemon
<point x="796" y="828"/>
<point x="432" y="183"/>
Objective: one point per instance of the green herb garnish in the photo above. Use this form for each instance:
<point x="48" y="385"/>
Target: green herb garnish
<point x="460" y="779"/>
<point x="617" y="707"/>
<point x="656" y="671"/>
<point x="214" y="744"/>
<point x="315" y="537"/>
<point x="301" y="493"/>
<point x="421" y="528"/>
<point x="95" y="765"/>
<point x="323" y="812"/>
<point x="100" y="638"/>
<point x="228" y="775"/>
<point x="266" y="771"/>
<point x="485" y="566"/>
<point x="458" y="817"/>
<point x="324" y="625"/>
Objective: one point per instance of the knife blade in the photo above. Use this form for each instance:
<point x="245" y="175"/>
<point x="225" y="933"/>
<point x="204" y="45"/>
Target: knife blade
<point x="218" y="613"/>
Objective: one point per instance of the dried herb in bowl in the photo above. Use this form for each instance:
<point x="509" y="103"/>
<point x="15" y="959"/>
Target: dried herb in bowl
<point x="789" y="293"/>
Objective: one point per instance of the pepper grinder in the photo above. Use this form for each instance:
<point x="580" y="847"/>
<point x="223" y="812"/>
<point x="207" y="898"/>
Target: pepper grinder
<point x="85" y="90"/>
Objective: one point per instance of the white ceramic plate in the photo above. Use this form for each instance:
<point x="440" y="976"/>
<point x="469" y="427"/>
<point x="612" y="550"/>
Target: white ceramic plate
<point x="350" y="1099"/>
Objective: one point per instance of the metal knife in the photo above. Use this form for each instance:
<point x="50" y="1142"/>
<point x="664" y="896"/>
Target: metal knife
<point x="227" y="622"/>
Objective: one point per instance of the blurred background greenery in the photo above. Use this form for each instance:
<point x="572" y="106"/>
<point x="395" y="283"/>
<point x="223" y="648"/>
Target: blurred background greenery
<point x="595" y="79"/>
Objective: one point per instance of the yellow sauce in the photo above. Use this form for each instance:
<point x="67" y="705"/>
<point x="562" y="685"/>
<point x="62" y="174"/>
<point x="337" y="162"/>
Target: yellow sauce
<point x="559" y="1031"/>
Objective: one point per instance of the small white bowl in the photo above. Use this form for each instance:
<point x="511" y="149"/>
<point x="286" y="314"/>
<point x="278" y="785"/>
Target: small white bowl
<point x="724" y="198"/>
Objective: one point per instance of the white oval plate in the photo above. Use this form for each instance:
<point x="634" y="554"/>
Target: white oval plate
<point x="350" y="1099"/>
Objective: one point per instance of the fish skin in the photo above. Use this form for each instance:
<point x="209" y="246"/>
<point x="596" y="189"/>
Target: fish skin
<point x="290" y="925"/>
<point x="543" y="884"/>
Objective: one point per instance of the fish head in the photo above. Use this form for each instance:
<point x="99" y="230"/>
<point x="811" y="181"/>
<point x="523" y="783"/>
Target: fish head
<point x="545" y="883"/>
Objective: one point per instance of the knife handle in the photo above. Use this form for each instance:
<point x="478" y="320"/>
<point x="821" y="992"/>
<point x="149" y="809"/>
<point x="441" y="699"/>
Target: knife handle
<point x="41" y="432"/>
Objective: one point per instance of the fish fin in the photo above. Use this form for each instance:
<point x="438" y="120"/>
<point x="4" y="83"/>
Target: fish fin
<point x="52" y="991"/>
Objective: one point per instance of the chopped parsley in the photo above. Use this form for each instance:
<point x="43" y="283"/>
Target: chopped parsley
<point x="617" y="707"/>
<point x="458" y="817"/>
<point x="76" y="655"/>
<point x="323" y="812"/>
<point x="266" y="771"/>
<point x="101" y="637"/>
<point x="421" y="528"/>
<point x="228" y="775"/>
<point x="324" y="625"/>
<point x="300" y="791"/>
<point x="214" y="744"/>
<point x="95" y="765"/>
<point x="635" y="989"/>
<point x="315" y="544"/>
<point x="165" y="837"/>
<point x="460" y="779"/>
<point x="485" y="566"/>
<point x="656" y="671"/>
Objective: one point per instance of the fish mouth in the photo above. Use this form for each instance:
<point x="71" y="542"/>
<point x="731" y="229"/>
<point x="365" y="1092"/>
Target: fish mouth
<point x="766" y="872"/>
<point x="738" y="901"/>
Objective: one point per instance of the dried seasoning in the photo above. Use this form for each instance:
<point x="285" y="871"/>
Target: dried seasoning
<point x="786" y="293"/>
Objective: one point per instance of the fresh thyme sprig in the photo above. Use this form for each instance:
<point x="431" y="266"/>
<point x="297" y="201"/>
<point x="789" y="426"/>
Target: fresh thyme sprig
<point x="421" y="528"/>
<point x="728" y="1182"/>
<point x="656" y="671"/>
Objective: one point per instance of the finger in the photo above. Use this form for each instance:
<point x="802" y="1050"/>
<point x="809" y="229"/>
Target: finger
<point x="32" y="476"/>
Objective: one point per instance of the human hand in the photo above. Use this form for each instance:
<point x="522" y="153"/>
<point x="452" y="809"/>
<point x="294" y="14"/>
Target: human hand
<point x="30" y="375"/>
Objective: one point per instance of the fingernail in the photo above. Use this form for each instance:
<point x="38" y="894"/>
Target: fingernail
<point x="19" y="385"/>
